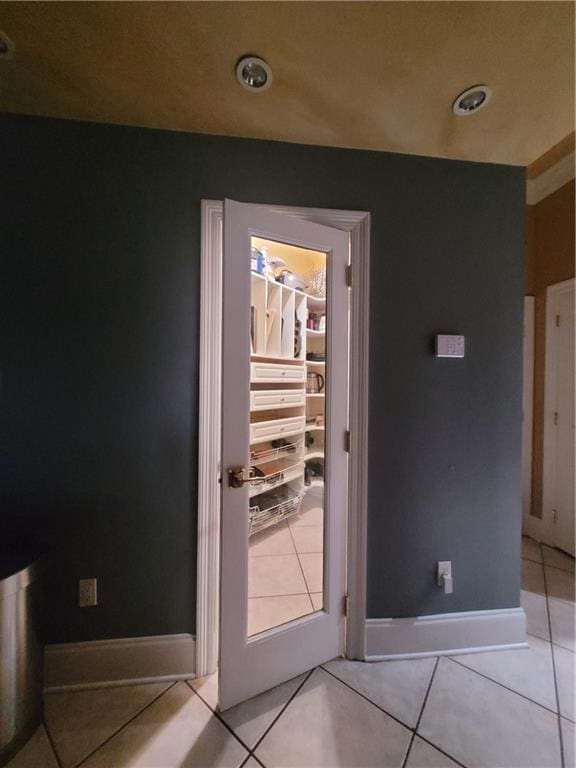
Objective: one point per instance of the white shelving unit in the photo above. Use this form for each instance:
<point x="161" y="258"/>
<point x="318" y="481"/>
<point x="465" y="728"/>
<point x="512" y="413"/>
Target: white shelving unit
<point x="279" y="402"/>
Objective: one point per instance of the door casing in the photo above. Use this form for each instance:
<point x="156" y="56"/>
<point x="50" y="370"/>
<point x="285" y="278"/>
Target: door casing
<point x="548" y="464"/>
<point x="357" y="223"/>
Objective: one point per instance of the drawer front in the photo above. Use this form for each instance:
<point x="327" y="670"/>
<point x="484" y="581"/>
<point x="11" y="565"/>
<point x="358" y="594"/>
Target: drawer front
<point x="266" y="399"/>
<point x="272" y="373"/>
<point x="272" y="430"/>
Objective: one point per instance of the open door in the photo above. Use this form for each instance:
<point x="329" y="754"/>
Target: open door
<point x="284" y="461"/>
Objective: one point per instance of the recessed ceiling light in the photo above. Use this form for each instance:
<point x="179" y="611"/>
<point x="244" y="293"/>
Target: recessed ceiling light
<point x="471" y="100"/>
<point x="6" y="46"/>
<point x="253" y="73"/>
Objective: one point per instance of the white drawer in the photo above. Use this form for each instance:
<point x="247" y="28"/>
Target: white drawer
<point x="273" y="430"/>
<point x="273" y="373"/>
<point x="266" y="399"/>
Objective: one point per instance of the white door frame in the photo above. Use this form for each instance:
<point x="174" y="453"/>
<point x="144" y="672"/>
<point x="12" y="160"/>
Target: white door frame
<point x="357" y="223"/>
<point x="527" y="412"/>
<point x="550" y="367"/>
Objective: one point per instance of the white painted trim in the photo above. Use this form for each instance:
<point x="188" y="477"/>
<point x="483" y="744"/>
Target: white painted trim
<point x="527" y="409"/>
<point x="550" y="366"/>
<point x="125" y="661"/>
<point x="551" y="180"/>
<point x="358" y="224"/>
<point x="208" y="565"/>
<point x="445" y="634"/>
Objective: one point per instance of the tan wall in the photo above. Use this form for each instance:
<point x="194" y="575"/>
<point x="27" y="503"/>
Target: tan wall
<point x="549" y="260"/>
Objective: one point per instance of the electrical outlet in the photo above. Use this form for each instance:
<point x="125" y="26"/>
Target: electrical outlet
<point x="87" y="593"/>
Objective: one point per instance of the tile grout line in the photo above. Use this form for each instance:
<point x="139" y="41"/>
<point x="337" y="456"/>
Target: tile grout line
<point x="52" y="744"/>
<point x="363" y="696"/>
<point x="219" y="717"/>
<point x="563" y="762"/>
<point x="420" y="714"/>
<point x="302" y="570"/>
<point x="506" y="687"/>
<point x="155" y="699"/>
<point x="279" y="715"/>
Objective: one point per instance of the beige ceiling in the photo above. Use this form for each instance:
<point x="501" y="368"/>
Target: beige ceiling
<point x="377" y="75"/>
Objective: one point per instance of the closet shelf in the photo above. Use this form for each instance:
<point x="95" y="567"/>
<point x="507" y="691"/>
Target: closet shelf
<point x="317" y="334"/>
<point x="315" y="394"/>
<point x="314" y="455"/>
<point x="313" y="428"/>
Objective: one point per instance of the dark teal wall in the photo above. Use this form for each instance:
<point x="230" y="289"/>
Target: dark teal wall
<point x="100" y="233"/>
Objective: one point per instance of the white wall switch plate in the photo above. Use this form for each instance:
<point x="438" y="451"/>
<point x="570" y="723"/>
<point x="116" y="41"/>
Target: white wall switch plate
<point x="87" y="593"/>
<point x="444" y="578"/>
<point x="450" y="345"/>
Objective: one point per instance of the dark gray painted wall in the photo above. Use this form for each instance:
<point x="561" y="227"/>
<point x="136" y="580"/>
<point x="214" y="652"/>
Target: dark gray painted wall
<point x="100" y="232"/>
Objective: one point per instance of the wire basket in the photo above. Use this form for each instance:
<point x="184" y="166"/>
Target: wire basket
<point x="271" y="515"/>
<point x="272" y="454"/>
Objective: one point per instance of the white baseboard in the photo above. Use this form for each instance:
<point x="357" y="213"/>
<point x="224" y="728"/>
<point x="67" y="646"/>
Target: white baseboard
<point x="446" y="633"/>
<point x="126" y="661"/>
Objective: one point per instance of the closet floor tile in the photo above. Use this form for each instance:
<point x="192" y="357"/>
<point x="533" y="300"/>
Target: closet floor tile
<point x="275" y="575"/>
<point x="422" y="755"/>
<point x="313" y="565"/>
<point x="536" y="611"/>
<point x="272" y="541"/>
<point x="558" y="559"/>
<point x="562" y="620"/>
<point x="560" y="584"/>
<point x="533" y="577"/>
<point x="308" y="538"/>
<point x="565" y="668"/>
<point x="267" y="612"/>
<point x="531" y="549"/>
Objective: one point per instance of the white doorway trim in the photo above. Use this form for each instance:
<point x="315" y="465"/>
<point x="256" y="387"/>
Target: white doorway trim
<point x="550" y="367"/>
<point x="527" y="411"/>
<point x="357" y="223"/>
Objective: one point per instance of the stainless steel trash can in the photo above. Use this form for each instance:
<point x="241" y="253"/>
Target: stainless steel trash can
<point x="21" y="662"/>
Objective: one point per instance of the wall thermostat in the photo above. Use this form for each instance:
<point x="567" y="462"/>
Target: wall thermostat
<point x="449" y="346"/>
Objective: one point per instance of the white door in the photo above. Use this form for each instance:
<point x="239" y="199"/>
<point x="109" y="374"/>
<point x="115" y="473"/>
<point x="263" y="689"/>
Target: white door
<point x="284" y="419"/>
<point x="563" y="488"/>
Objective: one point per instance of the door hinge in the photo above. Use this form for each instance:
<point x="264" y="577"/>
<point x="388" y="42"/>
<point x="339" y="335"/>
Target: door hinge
<point x="347" y="441"/>
<point x="346" y="605"/>
<point x="555" y="418"/>
<point x="557" y="321"/>
<point x="349" y="275"/>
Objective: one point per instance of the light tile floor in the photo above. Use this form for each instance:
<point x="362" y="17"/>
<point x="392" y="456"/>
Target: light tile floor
<point x="285" y="568"/>
<point x="502" y="709"/>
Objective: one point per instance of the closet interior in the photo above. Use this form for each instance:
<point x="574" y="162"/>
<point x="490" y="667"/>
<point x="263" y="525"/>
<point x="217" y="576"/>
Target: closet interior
<point x="287" y="428"/>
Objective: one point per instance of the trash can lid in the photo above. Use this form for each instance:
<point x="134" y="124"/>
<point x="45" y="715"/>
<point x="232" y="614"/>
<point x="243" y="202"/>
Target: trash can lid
<point x="19" y="566"/>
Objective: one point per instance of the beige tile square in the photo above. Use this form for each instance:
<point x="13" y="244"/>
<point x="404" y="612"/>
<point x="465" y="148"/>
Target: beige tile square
<point x="531" y="549"/>
<point x="558" y="559"/>
<point x="207" y="688"/>
<point x="536" y="611"/>
<point x="275" y="575"/>
<point x="422" y="755"/>
<point x="317" y="600"/>
<point x="313" y="566"/>
<point x="36" y="753"/>
<point x="267" y="612"/>
<point x="527" y="671"/>
<point x="565" y="669"/>
<point x="398" y="687"/>
<point x="327" y="725"/>
<point x="533" y="577"/>
<point x="177" y="731"/>
<point x="560" y="584"/>
<point x="272" y="541"/>
<point x="562" y="621"/>
<point x="568" y="739"/>
<point x="311" y="516"/>
<point x="250" y="719"/>
<point x="308" y="538"/>
<point x="480" y="723"/>
<point x="79" y="721"/>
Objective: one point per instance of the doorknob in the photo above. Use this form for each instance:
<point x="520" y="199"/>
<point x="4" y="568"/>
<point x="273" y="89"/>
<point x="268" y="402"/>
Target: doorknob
<point x="237" y="478"/>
